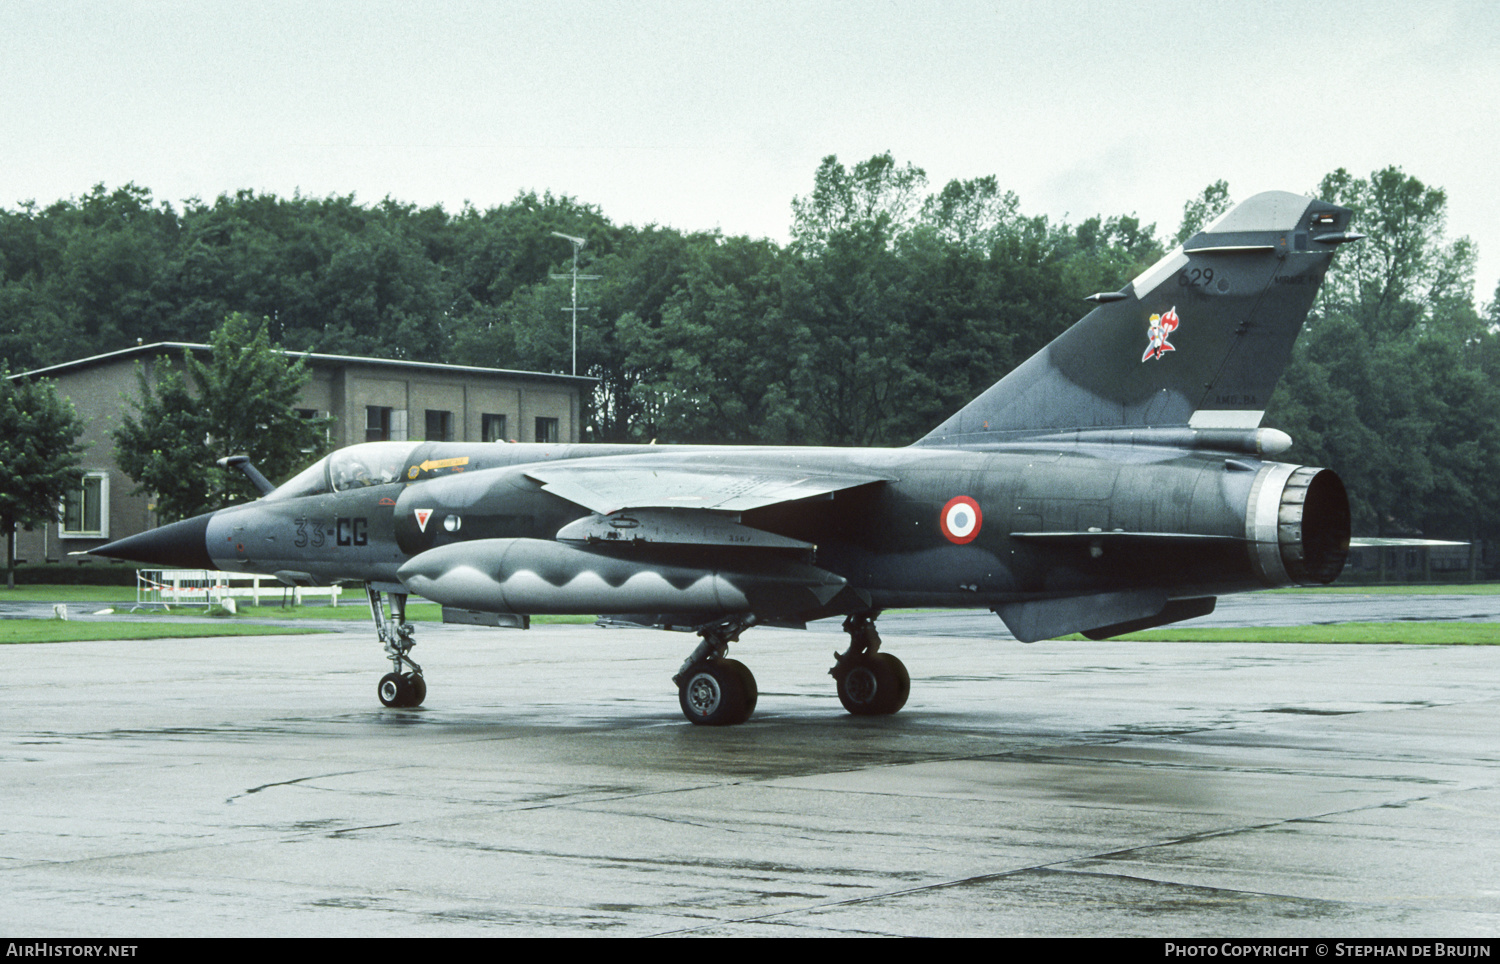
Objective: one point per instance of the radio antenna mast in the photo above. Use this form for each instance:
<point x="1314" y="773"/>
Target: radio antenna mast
<point x="578" y="244"/>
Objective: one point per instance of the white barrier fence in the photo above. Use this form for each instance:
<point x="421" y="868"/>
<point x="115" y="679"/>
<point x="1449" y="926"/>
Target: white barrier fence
<point x="203" y="587"/>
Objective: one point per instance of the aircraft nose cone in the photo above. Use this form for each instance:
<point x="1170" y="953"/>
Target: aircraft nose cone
<point x="178" y="545"/>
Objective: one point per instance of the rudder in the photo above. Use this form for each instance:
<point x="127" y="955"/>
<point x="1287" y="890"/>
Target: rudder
<point x="1199" y="339"/>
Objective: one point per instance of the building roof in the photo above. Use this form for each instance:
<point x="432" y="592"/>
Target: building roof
<point x="177" y="347"/>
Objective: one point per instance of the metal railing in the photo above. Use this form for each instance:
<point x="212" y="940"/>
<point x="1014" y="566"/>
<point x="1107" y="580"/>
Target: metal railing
<point x="204" y="587"/>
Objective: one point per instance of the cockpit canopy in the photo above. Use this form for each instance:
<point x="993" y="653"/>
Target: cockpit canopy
<point x="373" y="463"/>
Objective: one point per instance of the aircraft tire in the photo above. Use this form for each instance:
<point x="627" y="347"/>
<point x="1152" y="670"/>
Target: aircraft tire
<point x="394" y="690"/>
<point x="752" y="689"/>
<point x="713" y="693"/>
<point x="903" y="680"/>
<point x="418" y="689"/>
<point x="875" y="685"/>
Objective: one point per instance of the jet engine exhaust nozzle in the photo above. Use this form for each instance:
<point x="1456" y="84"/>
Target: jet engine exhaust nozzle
<point x="1298" y="525"/>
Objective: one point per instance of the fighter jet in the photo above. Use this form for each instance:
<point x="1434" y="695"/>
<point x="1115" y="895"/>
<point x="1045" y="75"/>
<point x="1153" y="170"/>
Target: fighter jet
<point x="1117" y="480"/>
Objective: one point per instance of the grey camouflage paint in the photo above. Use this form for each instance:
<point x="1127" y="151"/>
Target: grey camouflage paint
<point x="1110" y="481"/>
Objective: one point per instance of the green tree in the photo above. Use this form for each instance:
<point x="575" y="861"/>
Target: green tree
<point x="719" y="361"/>
<point x="1203" y="209"/>
<point x="1392" y="382"/>
<point x="878" y="194"/>
<point x="648" y="270"/>
<point x="972" y="213"/>
<point x="84" y="276"/>
<point x="241" y="401"/>
<point x="38" y="457"/>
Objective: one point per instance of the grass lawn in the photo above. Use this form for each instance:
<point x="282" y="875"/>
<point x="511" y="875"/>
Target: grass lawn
<point x="353" y="600"/>
<point x="1411" y="589"/>
<point x="1443" y="633"/>
<point x="165" y="626"/>
<point x="352" y="606"/>
<point x="416" y="612"/>
<point x="72" y="631"/>
<point x="65" y="594"/>
<point x="159" y="624"/>
<point x="156" y="624"/>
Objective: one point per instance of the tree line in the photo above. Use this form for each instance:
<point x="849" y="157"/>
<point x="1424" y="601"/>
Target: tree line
<point x="891" y="306"/>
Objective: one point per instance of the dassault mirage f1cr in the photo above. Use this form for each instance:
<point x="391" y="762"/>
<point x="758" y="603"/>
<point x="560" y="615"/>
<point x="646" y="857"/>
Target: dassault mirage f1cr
<point x="1115" y="481"/>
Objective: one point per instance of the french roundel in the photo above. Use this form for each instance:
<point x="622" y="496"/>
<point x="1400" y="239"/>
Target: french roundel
<point x="961" y="519"/>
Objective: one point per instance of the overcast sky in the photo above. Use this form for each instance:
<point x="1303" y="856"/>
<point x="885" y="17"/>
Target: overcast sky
<point x="707" y="115"/>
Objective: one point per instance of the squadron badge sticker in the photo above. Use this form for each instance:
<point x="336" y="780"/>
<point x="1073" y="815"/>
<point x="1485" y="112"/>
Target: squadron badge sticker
<point x="1156" y="334"/>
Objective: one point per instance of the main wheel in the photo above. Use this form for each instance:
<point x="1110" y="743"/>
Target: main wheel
<point x="397" y="690"/>
<point x="714" y="693"/>
<point x="752" y="689"/>
<point x="903" y="680"/>
<point x="875" y="685"/>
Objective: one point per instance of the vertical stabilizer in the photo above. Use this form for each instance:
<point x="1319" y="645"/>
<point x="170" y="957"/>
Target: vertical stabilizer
<point x="1199" y="339"/>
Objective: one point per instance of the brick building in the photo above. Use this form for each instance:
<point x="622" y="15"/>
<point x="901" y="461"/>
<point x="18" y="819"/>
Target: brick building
<point x="369" y="399"/>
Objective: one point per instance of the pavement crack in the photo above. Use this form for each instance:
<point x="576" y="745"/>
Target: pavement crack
<point x="288" y="783"/>
<point x="1061" y="866"/>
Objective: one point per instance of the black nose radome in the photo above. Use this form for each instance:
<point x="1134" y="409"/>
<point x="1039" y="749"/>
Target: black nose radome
<point x="179" y="545"/>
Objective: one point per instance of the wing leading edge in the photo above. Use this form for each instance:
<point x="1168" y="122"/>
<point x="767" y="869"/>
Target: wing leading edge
<point x="610" y="486"/>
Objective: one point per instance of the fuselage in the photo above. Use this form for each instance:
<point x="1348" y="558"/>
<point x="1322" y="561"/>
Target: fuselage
<point x="963" y="527"/>
<point x="1117" y="480"/>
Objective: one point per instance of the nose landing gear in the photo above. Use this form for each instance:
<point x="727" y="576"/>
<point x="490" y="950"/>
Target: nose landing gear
<point x="401" y="687"/>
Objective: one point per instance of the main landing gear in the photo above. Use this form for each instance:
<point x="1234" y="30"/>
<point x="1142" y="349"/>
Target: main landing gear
<point x="713" y="690"/>
<point x="716" y="691"/>
<point x="871" y="683"/>
<point x="402" y="687"/>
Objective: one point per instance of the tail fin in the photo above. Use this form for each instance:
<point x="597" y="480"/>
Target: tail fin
<point x="1199" y="339"/>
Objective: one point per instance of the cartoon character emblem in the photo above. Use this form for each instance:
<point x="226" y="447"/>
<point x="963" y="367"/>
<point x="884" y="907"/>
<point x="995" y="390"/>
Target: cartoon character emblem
<point x="1156" y="335"/>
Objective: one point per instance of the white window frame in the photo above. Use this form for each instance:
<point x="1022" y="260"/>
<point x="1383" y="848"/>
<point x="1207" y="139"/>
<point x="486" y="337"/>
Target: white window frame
<point x="62" y="511"/>
<point x="397" y="432"/>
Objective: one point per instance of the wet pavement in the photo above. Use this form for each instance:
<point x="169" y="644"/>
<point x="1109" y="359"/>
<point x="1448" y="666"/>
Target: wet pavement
<point x="254" y="786"/>
<point x="1245" y="609"/>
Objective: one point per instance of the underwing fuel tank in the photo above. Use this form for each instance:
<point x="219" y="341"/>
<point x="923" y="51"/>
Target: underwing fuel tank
<point x="535" y="576"/>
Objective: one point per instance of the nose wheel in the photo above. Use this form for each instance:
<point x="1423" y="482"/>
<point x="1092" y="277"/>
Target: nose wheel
<point x="402" y="689"/>
<point x="404" y="686"/>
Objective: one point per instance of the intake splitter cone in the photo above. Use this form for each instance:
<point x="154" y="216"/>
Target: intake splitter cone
<point x="177" y="545"/>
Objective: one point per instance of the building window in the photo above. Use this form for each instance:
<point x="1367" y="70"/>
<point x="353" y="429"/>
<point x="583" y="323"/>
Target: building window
<point x="546" y="430"/>
<point x="384" y="424"/>
<point x="86" y="509"/>
<point x="493" y="427"/>
<point x="377" y="424"/>
<point x="439" y="426"/>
